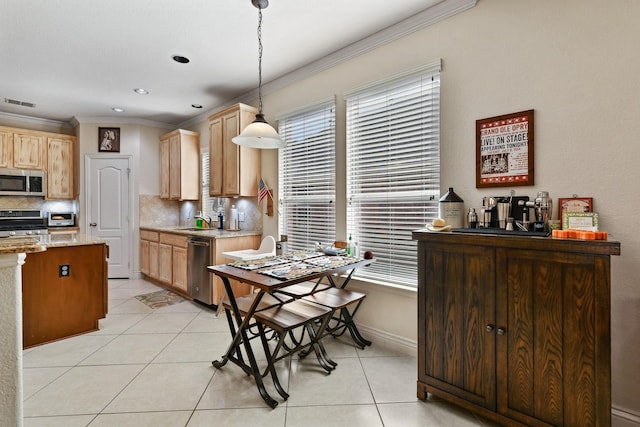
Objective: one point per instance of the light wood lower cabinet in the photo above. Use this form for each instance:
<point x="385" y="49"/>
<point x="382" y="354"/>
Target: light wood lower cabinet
<point x="165" y="263"/>
<point x="163" y="259"/>
<point x="516" y="329"/>
<point x="227" y="245"/>
<point x="179" y="263"/>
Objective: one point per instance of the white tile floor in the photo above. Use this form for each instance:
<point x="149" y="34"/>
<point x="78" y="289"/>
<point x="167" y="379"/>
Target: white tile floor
<point x="153" y="368"/>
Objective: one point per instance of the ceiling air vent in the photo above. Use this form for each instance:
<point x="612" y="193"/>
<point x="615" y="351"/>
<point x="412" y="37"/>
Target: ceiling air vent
<point x="21" y="103"/>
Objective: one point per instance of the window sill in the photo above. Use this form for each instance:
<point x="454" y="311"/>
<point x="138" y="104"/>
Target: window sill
<point x="363" y="284"/>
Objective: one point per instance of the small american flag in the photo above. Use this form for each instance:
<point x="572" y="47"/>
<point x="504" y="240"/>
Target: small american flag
<point x="263" y="190"/>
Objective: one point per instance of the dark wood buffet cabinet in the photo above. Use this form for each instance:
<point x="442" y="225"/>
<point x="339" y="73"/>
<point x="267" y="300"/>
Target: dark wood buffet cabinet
<point x="516" y="329"/>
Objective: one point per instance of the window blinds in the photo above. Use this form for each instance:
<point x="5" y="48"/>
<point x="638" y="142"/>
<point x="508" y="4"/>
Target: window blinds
<point x="207" y="201"/>
<point x="307" y="176"/>
<point x="393" y="170"/>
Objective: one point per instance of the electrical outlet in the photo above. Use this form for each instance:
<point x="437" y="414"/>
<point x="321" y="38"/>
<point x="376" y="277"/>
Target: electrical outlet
<point x="64" y="270"/>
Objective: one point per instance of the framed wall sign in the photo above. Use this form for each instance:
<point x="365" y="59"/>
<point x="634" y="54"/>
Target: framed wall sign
<point x="109" y="140"/>
<point x="574" y="204"/>
<point x="504" y="150"/>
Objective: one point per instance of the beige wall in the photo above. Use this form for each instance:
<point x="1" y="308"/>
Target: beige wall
<point x="571" y="62"/>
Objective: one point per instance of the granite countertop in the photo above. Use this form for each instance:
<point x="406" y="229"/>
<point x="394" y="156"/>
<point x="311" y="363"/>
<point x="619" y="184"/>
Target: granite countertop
<point x="18" y="245"/>
<point x="205" y="232"/>
<point x="69" y="239"/>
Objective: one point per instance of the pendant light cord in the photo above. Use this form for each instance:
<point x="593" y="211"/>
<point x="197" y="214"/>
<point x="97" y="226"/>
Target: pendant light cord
<point x="260" y="59"/>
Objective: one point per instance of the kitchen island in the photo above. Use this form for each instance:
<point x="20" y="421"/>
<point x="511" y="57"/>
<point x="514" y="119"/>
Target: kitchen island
<point x="64" y="288"/>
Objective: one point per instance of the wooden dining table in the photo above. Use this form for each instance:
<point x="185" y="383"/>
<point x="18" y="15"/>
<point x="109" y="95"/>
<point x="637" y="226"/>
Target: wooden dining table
<point x="267" y="276"/>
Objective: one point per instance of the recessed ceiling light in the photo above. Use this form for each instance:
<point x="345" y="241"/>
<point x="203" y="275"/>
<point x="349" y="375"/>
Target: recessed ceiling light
<point x="196" y="105"/>
<point x="141" y="91"/>
<point x="181" y="59"/>
<point x="118" y="109"/>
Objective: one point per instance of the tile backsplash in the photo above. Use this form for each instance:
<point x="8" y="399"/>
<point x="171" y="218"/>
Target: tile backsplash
<point x="165" y="213"/>
<point x="156" y="212"/>
<point x="38" y="203"/>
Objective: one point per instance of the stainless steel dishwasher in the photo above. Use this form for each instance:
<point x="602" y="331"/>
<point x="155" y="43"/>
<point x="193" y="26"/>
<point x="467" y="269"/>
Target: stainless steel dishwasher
<point x="199" y="280"/>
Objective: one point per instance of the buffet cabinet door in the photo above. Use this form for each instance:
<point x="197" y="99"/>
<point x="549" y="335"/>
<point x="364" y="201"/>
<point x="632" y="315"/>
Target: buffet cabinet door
<point x="456" y="322"/>
<point x="553" y="363"/>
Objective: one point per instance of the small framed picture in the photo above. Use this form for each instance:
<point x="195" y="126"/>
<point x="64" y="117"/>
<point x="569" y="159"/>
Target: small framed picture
<point x="574" y="204"/>
<point x="109" y="140"/>
<point x="580" y="221"/>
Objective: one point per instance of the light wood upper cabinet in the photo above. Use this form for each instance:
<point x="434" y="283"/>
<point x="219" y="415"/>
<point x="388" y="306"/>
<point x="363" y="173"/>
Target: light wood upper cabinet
<point x="234" y="170"/>
<point x="61" y="169"/>
<point x="29" y="151"/>
<point x="164" y="166"/>
<point x="180" y="165"/>
<point x="54" y="153"/>
<point x="6" y="149"/>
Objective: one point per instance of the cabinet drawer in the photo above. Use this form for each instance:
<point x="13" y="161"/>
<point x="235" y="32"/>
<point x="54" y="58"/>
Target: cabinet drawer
<point x="174" y="239"/>
<point x="149" y="235"/>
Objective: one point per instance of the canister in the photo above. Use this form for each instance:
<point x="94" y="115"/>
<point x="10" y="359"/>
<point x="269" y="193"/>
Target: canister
<point x="451" y="209"/>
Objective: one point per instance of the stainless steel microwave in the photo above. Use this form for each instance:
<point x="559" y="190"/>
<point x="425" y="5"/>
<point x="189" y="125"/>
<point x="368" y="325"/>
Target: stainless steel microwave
<point x="22" y="182"/>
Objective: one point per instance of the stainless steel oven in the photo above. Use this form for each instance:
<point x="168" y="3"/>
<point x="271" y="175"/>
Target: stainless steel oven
<point x="18" y="222"/>
<point x="22" y="182"/>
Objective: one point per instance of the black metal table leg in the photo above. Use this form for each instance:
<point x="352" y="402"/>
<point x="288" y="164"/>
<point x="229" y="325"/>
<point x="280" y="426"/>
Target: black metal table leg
<point x="241" y="336"/>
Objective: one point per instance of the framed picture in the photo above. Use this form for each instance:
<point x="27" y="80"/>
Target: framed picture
<point x="574" y="204"/>
<point x="504" y="150"/>
<point x="109" y="140"/>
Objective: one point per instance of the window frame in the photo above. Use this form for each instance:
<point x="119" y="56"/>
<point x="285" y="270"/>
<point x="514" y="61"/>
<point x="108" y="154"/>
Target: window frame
<point x="373" y="227"/>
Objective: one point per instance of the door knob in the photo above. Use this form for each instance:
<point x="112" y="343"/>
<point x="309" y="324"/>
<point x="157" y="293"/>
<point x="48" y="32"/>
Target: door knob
<point x="501" y="331"/>
<point x="489" y="328"/>
<point x="93" y="224"/>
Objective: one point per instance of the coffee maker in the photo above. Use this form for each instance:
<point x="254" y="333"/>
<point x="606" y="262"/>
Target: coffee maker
<point x="497" y="210"/>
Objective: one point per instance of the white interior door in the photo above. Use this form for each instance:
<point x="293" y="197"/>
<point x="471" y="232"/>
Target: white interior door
<point x="108" y="208"/>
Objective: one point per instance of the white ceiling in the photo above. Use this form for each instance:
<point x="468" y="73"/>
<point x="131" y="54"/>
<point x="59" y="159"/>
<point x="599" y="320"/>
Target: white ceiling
<point x="81" y="58"/>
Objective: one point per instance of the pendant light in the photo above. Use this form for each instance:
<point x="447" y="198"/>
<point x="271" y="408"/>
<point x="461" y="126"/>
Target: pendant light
<point x="259" y="134"/>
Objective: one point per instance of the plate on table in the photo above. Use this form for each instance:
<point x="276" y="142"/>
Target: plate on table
<point x="334" y="251"/>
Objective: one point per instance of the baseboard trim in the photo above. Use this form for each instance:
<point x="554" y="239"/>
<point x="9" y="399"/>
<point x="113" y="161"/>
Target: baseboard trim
<point x="390" y="341"/>
<point x="623" y="418"/>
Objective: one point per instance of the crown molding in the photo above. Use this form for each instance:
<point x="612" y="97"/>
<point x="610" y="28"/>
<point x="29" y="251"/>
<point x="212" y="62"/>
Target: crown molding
<point x="77" y="120"/>
<point x="35" y="120"/>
